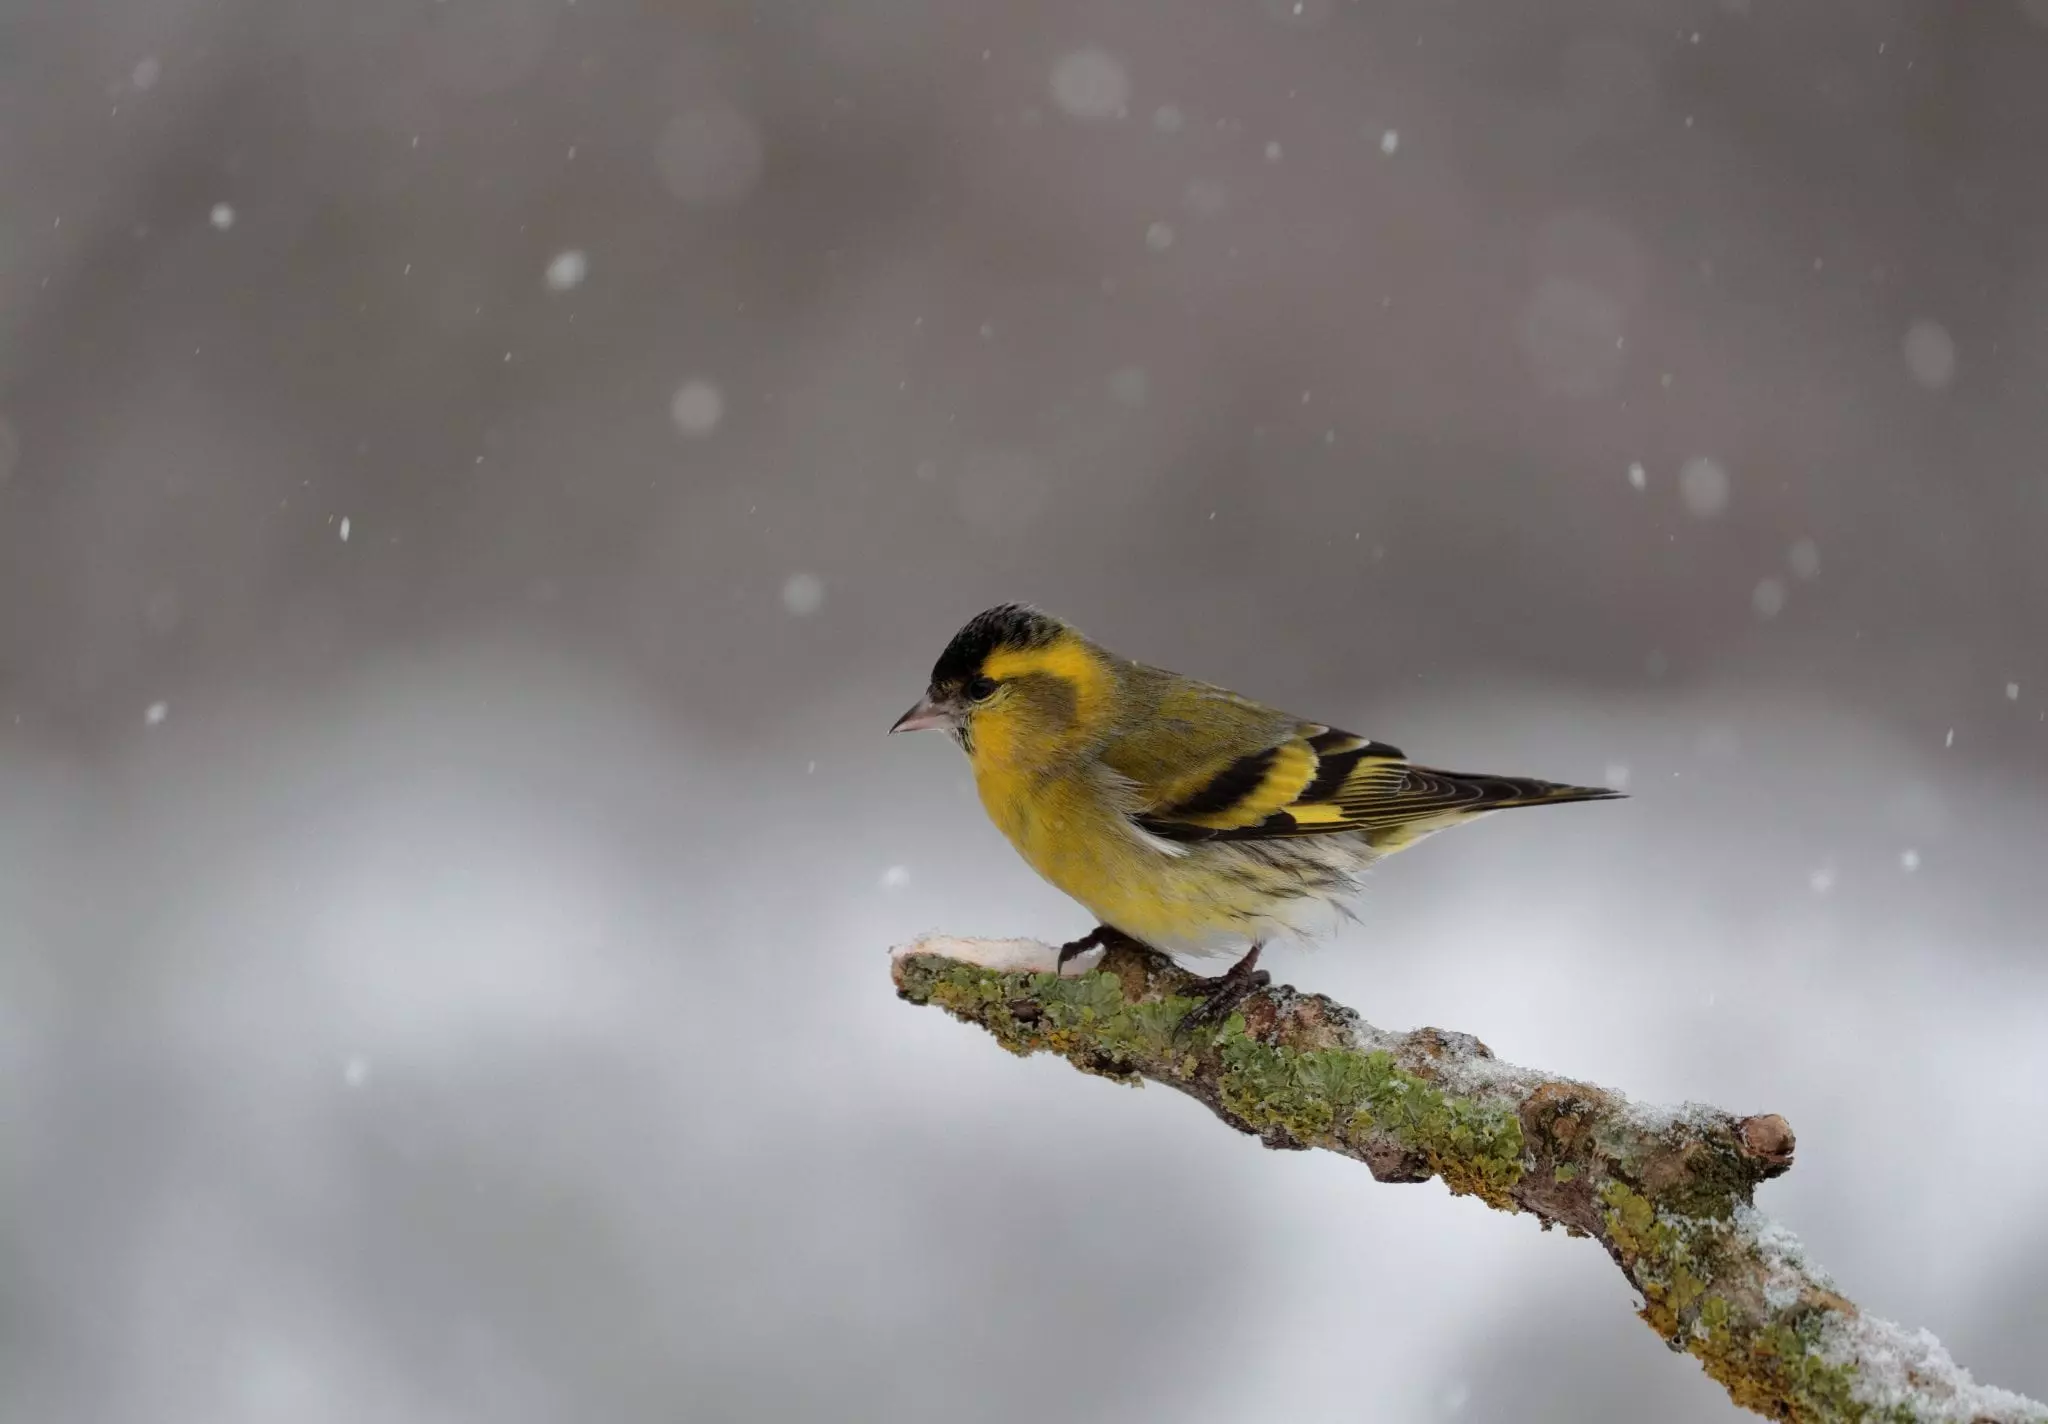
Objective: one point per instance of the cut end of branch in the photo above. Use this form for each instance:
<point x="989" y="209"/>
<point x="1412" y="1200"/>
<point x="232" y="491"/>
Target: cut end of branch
<point x="1767" y="1140"/>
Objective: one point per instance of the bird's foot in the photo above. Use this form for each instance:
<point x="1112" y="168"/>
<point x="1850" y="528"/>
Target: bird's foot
<point x="1101" y="937"/>
<point x="1222" y="994"/>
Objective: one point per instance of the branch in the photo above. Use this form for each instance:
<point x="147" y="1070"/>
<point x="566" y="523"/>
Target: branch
<point x="1665" y="1191"/>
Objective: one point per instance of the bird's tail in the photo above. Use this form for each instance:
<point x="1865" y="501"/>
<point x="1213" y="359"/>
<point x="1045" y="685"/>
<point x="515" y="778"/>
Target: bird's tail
<point x="1477" y="791"/>
<point x="1447" y="798"/>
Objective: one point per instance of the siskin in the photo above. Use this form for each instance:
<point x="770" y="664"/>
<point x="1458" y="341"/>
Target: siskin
<point x="1183" y="816"/>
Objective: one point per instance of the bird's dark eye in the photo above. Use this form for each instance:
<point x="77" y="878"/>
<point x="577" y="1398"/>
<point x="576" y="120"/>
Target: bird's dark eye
<point x="981" y="689"/>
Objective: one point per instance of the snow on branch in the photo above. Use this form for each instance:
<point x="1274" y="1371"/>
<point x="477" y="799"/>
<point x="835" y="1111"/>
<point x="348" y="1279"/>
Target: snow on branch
<point x="1666" y="1191"/>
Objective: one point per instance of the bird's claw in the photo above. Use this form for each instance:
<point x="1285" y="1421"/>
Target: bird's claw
<point x="1101" y="937"/>
<point x="1227" y="991"/>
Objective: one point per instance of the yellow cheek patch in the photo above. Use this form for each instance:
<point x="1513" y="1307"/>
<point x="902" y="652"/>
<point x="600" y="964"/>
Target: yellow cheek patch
<point x="994" y="738"/>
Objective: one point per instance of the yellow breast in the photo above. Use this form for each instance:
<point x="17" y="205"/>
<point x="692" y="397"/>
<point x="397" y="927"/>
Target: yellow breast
<point x="1069" y="833"/>
<point x="1054" y="824"/>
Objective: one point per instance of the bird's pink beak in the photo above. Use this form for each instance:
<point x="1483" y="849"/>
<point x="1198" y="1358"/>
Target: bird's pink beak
<point x="922" y="718"/>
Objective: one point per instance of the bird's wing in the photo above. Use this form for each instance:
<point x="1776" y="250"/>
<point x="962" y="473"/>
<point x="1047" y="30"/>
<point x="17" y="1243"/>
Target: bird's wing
<point x="1203" y="764"/>
<point x="1302" y="778"/>
<point x="1322" y="781"/>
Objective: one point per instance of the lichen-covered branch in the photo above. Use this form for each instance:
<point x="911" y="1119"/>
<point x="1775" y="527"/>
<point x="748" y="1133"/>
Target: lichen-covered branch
<point x="1666" y="1192"/>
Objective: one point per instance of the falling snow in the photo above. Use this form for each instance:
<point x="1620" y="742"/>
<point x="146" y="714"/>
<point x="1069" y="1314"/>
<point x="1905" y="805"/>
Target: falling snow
<point x="1930" y="354"/>
<point x="895" y="877"/>
<point x="1390" y="142"/>
<point x="155" y="713"/>
<point x="2012" y="692"/>
<point x="1909" y="859"/>
<point x="1090" y="84"/>
<point x="1205" y="197"/>
<point x="1638" y="476"/>
<point x="356" y="1071"/>
<point x="1821" y="881"/>
<point x="696" y="408"/>
<point x="567" y="270"/>
<point x="146" y="72"/>
<point x="222" y="216"/>
<point x="803" y="594"/>
<point x="1159" y="236"/>
<point x="1704" y="486"/>
<point x="1803" y="558"/>
<point x="1767" y="599"/>
<point x="344" y="528"/>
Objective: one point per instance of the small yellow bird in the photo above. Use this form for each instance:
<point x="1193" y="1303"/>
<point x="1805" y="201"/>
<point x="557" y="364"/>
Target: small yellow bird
<point x="1182" y="815"/>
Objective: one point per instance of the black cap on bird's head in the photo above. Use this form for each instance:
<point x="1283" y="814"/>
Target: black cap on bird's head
<point x="1011" y="626"/>
<point x="957" y="676"/>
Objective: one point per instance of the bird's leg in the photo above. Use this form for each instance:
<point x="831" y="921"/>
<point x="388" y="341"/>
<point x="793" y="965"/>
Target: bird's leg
<point x="1102" y="935"/>
<point x="1228" y="989"/>
<point x="1074" y="948"/>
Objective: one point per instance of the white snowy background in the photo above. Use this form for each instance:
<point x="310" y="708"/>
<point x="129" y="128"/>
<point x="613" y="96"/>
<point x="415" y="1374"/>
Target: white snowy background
<point x="478" y="476"/>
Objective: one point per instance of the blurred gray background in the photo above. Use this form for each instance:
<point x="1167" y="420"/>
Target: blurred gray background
<point x="478" y="476"/>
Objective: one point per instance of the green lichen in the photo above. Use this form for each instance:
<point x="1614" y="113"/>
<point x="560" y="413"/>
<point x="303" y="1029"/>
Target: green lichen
<point x="1085" y="1018"/>
<point x="1772" y="1365"/>
<point x="1336" y="1097"/>
<point x="1777" y="1370"/>
<point x="1716" y="1180"/>
<point x="1332" y="1098"/>
<point x="1671" y="1257"/>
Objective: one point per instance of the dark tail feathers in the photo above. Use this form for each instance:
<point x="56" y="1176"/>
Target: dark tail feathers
<point x="1431" y="800"/>
<point x="1473" y="792"/>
